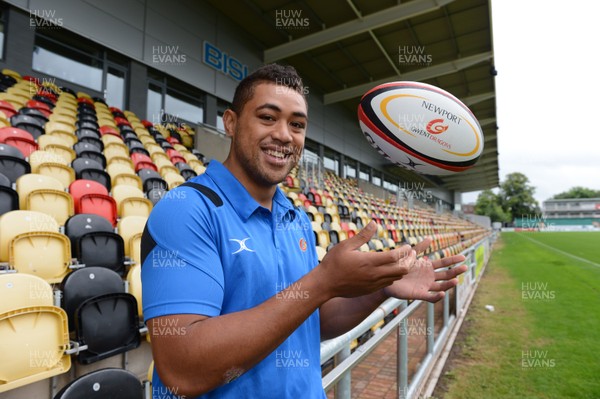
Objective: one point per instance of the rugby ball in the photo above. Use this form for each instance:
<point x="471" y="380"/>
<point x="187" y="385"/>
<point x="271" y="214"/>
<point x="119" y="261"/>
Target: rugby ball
<point x="420" y="127"/>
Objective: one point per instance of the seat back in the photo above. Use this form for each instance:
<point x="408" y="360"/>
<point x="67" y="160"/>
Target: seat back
<point x="110" y="383"/>
<point x="129" y="227"/>
<point x="79" y="225"/>
<point x="42" y="253"/>
<point x="99" y="204"/>
<point x="56" y="203"/>
<point x="13" y="167"/>
<point x="20" y="290"/>
<point x="93" y="315"/>
<point x="81" y="187"/>
<point x="34" y="339"/>
<point x="102" y="249"/>
<point x="17" y="222"/>
<point x="87" y="283"/>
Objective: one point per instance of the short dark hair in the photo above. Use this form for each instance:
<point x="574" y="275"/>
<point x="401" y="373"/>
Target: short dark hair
<point x="283" y="75"/>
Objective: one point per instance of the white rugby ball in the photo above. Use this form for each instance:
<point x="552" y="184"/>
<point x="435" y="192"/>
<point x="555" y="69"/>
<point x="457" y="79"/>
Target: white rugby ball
<point x="421" y="127"/>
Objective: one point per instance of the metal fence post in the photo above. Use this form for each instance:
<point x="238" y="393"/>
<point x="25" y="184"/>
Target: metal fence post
<point x="402" y="357"/>
<point x="343" y="388"/>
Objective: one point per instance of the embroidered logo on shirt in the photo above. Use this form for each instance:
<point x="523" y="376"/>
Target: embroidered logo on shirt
<point x="243" y="246"/>
<point x="302" y="244"/>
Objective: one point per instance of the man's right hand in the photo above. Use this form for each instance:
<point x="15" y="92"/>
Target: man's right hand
<point x="348" y="272"/>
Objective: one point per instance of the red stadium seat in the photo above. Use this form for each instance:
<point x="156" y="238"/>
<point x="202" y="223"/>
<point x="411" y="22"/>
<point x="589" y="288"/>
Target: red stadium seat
<point x="173" y="140"/>
<point x="99" y="204"/>
<point x="81" y="187"/>
<point x="40" y="106"/>
<point x="147" y="123"/>
<point x="26" y="146"/>
<point x="7" y="108"/>
<point x="109" y="130"/>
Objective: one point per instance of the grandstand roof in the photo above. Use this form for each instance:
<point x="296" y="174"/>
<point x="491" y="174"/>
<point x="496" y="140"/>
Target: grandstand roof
<point x="345" y="47"/>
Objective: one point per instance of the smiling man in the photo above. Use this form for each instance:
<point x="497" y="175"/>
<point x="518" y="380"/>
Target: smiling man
<point x="248" y="301"/>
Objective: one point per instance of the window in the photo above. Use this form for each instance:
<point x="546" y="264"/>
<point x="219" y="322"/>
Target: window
<point x="77" y="60"/>
<point x="2" y="29"/>
<point x="170" y="100"/>
<point x="350" y="171"/>
<point x="376" y="181"/>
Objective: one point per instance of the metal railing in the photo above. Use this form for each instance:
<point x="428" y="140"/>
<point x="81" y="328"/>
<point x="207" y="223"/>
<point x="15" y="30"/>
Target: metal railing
<point x="344" y="360"/>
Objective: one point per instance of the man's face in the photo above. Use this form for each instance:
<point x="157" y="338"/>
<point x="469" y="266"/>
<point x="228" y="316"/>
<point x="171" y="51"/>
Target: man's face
<point x="268" y="134"/>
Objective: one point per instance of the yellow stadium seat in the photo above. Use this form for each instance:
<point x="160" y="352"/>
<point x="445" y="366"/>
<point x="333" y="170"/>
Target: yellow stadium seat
<point x="115" y="169"/>
<point x="47" y="139"/>
<point x="68" y="154"/>
<point x="111" y="138"/>
<point x="173" y="179"/>
<point x="129" y="179"/>
<point x="165" y="169"/>
<point x="64" y="117"/>
<point x="130" y="228"/>
<point x="134" y="278"/>
<point x="14" y="223"/>
<point x="116" y="150"/>
<point x="20" y="290"/>
<point x="35" y="340"/>
<point x="130" y="201"/>
<point x="321" y="252"/>
<point x="33" y="181"/>
<point x="41" y="253"/>
<point x="56" y="203"/>
<point x="69" y="139"/>
<point x="14" y="74"/>
<point x="52" y="126"/>
<point x="65" y="174"/>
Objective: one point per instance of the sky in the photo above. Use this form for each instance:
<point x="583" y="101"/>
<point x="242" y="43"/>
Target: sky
<point x="547" y="93"/>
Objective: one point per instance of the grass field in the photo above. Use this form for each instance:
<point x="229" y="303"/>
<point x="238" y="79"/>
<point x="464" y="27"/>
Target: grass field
<point x="543" y="339"/>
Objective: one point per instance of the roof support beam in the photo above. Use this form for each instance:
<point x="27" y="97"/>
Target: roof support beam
<point x="417" y="75"/>
<point x="468" y="101"/>
<point x="353" y="28"/>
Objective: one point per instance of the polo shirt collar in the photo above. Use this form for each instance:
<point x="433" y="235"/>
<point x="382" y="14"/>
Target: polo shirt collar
<point x="237" y="195"/>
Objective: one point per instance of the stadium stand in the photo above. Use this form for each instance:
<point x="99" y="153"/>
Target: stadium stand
<point x="78" y="180"/>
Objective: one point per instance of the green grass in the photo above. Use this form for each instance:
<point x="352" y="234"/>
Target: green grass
<point x="548" y="305"/>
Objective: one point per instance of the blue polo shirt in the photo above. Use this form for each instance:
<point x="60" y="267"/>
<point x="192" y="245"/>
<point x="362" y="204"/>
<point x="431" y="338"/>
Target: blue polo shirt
<point x="214" y="253"/>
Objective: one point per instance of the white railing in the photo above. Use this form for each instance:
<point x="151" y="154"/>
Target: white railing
<point x="344" y="360"/>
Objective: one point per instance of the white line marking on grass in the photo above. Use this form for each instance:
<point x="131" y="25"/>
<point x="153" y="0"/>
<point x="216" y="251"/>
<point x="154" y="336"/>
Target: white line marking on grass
<point x="562" y="252"/>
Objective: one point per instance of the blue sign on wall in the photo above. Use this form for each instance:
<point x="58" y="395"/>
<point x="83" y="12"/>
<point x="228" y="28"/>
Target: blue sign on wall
<point x="222" y="62"/>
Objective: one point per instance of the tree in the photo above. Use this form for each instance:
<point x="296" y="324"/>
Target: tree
<point x="488" y="204"/>
<point x="516" y="197"/>
<point x="578" y="192"/>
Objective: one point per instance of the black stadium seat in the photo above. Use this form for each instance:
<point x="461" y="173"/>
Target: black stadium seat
<point x="83" y="223"/>
<point x="13" y="167"/>
<point x="9" y="199"/>
<point x="119" y="311"/>
<point x="28" y="123"/>
<point x="110" y="383"/>
<point x="86" y="283"/>
<point x="103" y="249"/>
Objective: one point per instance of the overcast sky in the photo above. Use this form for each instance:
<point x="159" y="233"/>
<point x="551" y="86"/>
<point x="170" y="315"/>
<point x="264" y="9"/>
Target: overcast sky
<point x="548" y="93"/>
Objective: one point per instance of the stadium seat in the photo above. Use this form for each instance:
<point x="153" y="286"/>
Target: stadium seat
<point x="86" y="283"/>
<point x="56" y="203"/>
<point x="186" y="171"/>
<point x="173" y="179"/>
<point x="22" y="221"/>
<point x="9" y="199"/>
<point x="28" y="123"/>
<point x="80" y="187"/>
<point x="134" y="280"/>
<point x="113" y="383"/>
<point x="131" y="201"/>
<point x="41" y="253"/>
<point x="84" y="223"/>
<point x="35" y="339"/>
<point x="33" y="181"/>
<point x="62" y="151"/>
<point x="99" y="204"/>
<point x="130" y="228"/>
<point x="96" y="175"/>
<point x="7" y="108"/>
<point x="116" y="310"/>
<point x="13" y="166"/>
<point x="151" y="179"/>
<point x="155" y="194"/>
<point x="102" y="249"/>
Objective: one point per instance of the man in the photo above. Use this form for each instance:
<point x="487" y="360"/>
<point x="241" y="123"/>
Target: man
<point x="234" y="297"/>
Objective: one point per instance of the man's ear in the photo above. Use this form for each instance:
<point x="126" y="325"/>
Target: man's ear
<point x="230" y="122"/>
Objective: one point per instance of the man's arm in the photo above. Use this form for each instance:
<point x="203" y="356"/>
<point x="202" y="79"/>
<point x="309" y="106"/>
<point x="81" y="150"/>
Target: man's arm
<point x="213" y="351"/>
<point x="339" y="315"/>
